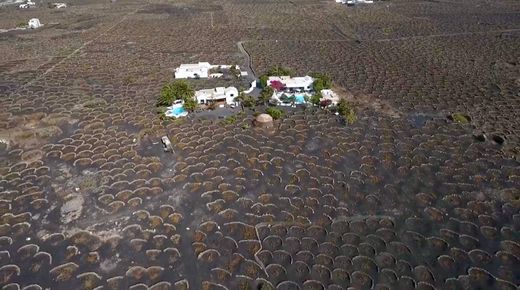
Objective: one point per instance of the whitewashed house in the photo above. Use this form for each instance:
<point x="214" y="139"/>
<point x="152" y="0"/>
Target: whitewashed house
<point x="59" y="5"/>
<point x="193" y="71"/>
<point x="219" y="94"/>
<point x="27" y="4"/>
<point x="34" y="23"/>
<point x="302" y="84"/>
<point x="354" y="2"/>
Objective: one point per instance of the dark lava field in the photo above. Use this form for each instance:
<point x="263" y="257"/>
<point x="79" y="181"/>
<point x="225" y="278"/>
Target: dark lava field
<point x="404" y="198"/>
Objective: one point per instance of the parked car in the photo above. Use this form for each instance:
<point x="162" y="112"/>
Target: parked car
<point x="167" y="145"/>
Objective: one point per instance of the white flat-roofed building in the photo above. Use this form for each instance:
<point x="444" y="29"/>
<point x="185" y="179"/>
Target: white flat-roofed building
<point x="59" y="5"/>
<point x="219" y="94"/>
<point x="291" y="83"/>
<point x="193" y="71"/>
<point x="27" y="4"/>
<point x="34" y="23"/>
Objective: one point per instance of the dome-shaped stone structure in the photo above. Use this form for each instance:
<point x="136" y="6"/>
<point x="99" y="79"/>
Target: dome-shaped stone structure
<point x="264" y="121"/>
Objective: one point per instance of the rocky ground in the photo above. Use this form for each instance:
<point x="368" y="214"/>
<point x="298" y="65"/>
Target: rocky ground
<point x="405" y="198"/>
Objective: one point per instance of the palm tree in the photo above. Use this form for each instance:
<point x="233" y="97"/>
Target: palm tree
<point x="241" y="98"/>
<point x="266" y="95"/>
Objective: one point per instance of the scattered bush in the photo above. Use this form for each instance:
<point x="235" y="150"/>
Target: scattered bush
<point x="315" y="99"/>
<point x="347" y="112"/>
<point x="232" y="119"/>
<point x="245" y="100"/>
<point x="460" y="118"/>
<point x="161" y="110"/>
<point x="274" y="112"/>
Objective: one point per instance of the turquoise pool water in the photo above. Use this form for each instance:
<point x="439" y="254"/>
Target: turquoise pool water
<point x="176" y="112"/>
<point x="299" y="99"/>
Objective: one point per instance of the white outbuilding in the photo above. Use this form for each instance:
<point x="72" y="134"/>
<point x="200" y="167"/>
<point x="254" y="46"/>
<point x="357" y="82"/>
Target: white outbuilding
<point x="27" y="4"/>
<point x="193" y="71"/>
<point x="303" y="84"/>
<point x="59" y="5"/>
<point x="219" y="94"/>
<point x="34" y="23"/>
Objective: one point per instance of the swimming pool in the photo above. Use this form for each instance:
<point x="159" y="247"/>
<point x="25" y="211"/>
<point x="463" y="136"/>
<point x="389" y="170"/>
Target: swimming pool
<point x="176" y="111"/>
<point x="299" y="99"/>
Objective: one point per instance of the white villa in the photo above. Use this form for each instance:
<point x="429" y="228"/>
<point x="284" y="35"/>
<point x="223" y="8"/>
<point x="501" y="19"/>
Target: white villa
<point x="354" y="2"/>
<point x="59" y="5"/>
<point x="201" y="70"/>
<point x="300" y="84"/>
<point x="27" y="4"/>
<point x="219" y="94"/>
<point x="193" y="71"/>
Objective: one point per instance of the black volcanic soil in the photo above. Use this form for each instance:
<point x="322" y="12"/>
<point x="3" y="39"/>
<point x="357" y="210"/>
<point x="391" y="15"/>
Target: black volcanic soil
<point x="404" y="198"/>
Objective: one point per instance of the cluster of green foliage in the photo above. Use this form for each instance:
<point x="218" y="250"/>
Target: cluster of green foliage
<point x="245" y="100"/>
<point x="265" y="95"/>
<point x="287" y="99"/>
<point x="460" y="118"/>
<point x="232" y="119"/>
<point x="274" y="71"/>
<point x="178" y="90"/>
<point x="21" y="24"/>
<point x="274" y="112"/>
<point x="315" y="99"/>
<point x="321" y="81"/>
<point x="347" y="112"/>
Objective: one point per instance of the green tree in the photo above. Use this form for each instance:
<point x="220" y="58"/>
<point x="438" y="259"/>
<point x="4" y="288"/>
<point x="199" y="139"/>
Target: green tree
<point x="321" y="81"/>
<point x="245" y="100"/>
<point x="292" y="99"/>
<point x="265" y="95"/>
<point x="190" y="104"/>
<point x="274" y="112"/>
<point x="315" y="99"/>
<point x="177" y="90"/>
<point x="318" y="85"/>
<point x="285" y="99"/>
<point x="347" y="112"/>
<point x="248" y="101"/>
<point x="263" y="81"/>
